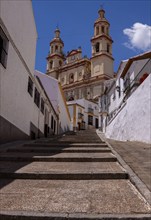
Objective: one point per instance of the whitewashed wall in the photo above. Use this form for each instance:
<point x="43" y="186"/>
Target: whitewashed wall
<point x="19" y="20"/>
<point x="17" y="106"/>
<point x="64" y="115"/>
<point x="56" y="96"/>
<point x="133" y="122"/>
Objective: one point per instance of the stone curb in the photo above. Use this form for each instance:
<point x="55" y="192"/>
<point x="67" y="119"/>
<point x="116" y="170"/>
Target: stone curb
<point x="17" y="215"/>
<point x="135" y="180"/>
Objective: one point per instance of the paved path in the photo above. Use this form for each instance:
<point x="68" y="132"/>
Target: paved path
<point x="72" y="177"/>
<point x="138" y="156"/>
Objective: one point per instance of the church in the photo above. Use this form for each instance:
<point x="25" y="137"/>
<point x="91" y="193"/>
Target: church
<point x="81" y="77"/>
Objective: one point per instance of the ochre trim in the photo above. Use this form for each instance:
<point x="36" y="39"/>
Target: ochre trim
<point x="63" y="97"/>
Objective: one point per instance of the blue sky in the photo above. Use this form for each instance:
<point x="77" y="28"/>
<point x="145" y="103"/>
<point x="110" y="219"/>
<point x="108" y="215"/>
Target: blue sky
<point x="130" y="29"/>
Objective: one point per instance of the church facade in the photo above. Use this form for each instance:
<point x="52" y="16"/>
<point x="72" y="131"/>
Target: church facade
<point x="79" y="76"/>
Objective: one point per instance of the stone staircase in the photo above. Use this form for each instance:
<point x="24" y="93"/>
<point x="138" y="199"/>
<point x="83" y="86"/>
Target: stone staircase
<point x="75" y="176"/>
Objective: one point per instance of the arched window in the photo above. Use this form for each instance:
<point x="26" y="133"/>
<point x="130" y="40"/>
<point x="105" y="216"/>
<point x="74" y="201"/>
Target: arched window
<point x="60" y="63"/>
<point x="108" y="48"/>
<point x="102" y="28"/>
<point x="51" y="64"/>
<point x="97" y="30"/>
<point x="71" y="78"/>
<point x="97" y="47"/>
<point x="56" y="48"/>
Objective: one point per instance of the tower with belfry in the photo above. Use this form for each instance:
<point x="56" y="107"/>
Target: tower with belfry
<point x="81" y="77"/>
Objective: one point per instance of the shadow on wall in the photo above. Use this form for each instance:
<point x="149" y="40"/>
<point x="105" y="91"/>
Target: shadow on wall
<point x="9" y="132"/>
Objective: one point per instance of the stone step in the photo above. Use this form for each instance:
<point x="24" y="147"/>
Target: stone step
<point x="75" y="197"/>
<point x="64" y="145"/>
<point x="77" y="140"/>
<point x="59" y="149"/>
<point x="56" y="170"/>
<point x="65" y="176"/>
<point x="56" y="167"/>
<point x="61" y="157"/>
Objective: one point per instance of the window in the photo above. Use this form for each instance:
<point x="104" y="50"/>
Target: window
<point x="54" y="126"/>
<point x="37" y="98"/>
<point x="60" y="63"/>
<point x="42" y="106"/>
<point x="56" y="48"/>
<point x="50" y="64"/>
<point x="97" y="47"/>
<point x="30" y="86"/>
<point x="114" y="95"/>
<point x="52" y="122"/>
<point x="3" y="48"/>
<point x="97" y="30"/>
<point x="102" y="29"/>
<point x="71" y="78"/>
<point x="119" y="90"/>
<point x="90" y="120"/>
<point x="108" y="48"/>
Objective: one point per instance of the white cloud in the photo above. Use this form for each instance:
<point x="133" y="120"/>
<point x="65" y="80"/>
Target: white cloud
<point x="139" y="37"/>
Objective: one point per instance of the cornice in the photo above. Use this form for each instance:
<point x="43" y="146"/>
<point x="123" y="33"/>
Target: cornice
<point x="73" y="65"/>
<point x="102" y="54"/>
<point x="53" y="55"/>
<point x="82" y="83"/>
<point x="101" y="36"/>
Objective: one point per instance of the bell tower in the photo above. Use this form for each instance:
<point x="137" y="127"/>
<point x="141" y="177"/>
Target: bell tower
<point x="55" y="57"/>
<point x="102" y="60"/>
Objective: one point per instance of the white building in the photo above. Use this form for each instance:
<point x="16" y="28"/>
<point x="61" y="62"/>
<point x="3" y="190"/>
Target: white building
<point x="57" y="98"/>
<point x="84" y="114"/>
<point x="125" y="114"/>
<point x="25" y="108"/>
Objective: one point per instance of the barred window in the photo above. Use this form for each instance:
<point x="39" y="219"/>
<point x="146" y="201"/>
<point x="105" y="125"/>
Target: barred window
<point x="42" y="105"/>
<point x="3" y="48"/>
<point x="30" y="86"/>
<point x="37" y="98"/>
